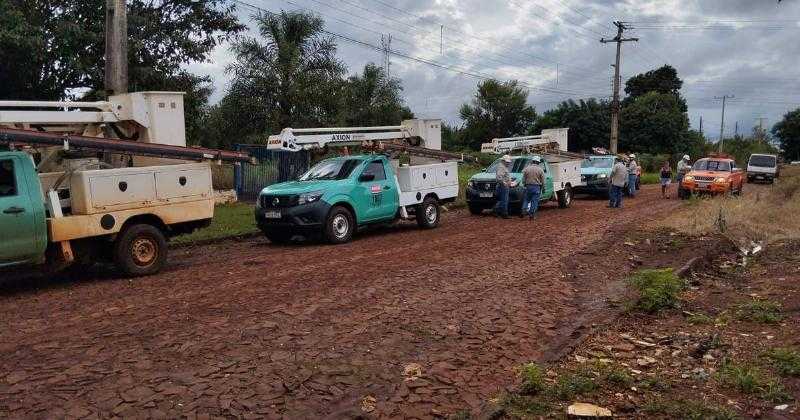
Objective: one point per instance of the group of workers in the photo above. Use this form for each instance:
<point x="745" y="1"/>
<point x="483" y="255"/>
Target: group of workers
<point x="622" y="176"/>
<point x="532" y="180"/>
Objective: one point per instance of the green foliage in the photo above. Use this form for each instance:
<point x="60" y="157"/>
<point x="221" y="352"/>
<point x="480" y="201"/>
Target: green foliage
<point x="499" y="109"/>
<point x="787" y="131"/>
<point x="689" y="410"/>
<point x="520" y="406"/>
<point x="786" y="360"/>
<point x="662" y="80"/>
<point x="658" y="289"/>
<point x="588" y="121"/>
<point x="572" y="385"/>
<point x="700" y="319"/>
<point x="532" y="379"/>
<point x="650" y="178"/>
<point x="751" y="380"/>
<point x="373" y="99"/>
<point x="758" y="310"/>
<point x="741" y="148"/>
<point x="230" y="220"/>
<point x="617" y="376"/>
<point x="654" y="123"/>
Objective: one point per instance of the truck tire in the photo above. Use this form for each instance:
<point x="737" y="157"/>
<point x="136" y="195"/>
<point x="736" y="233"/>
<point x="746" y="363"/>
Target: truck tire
<point x="475" y="209"/>
<point x="339" y="226"/>
<point x="278" y="236"/>
<point x="565" y="197"/>
<point x="140" y="250"/>
<point x="428" y="213"/>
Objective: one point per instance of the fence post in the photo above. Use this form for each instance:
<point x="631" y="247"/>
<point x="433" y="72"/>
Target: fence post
<point x="237" y="173"/>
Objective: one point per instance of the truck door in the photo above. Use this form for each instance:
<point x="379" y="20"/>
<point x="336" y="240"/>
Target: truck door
<point x="378" y="192"/>
<point x="17" y="218"/>
<point x="547" y="188"/>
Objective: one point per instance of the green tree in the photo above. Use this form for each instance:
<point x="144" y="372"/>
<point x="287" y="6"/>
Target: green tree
<point x="372" y="98"/>
<point x="292" y="80"/>
<point x="654" y="123"/>
<point x="787" y="131"/>
<point x="662" y="80"/>
<point x="588" y="121"/>
<point x="499" y="109"/>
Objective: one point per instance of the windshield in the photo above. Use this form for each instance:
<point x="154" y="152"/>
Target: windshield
<point x="518" y="164"/>
<point x="331" y="169"/>
<point x="597" y="163"/>
<point x="712" y="165"/>
<point x="762" y="161"/>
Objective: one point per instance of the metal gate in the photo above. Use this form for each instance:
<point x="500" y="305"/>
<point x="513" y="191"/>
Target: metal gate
<point x="273" y="167"/>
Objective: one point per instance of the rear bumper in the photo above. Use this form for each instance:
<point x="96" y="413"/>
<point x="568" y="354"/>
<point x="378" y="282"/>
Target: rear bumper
<point x="760" y="176"/>
<point x="303" y="217"/>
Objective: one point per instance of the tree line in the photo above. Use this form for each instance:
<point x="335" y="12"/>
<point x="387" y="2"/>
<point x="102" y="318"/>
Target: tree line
<point x="289" y="75"/>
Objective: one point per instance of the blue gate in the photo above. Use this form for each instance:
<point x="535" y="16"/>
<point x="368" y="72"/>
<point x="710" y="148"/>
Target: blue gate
<point x="273" y="167"/>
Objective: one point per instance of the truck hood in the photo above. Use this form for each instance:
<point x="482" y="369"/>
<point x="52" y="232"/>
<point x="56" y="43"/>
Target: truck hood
<point x="595" y="171"/>
<point x="490" y="176"/>
<point x="298" y="187"/>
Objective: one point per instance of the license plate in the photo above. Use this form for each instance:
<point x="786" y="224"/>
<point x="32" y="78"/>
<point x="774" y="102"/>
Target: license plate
<point x="759" y="176"/>
<point x="272" y="214"/>
<point x="487" y="194"/>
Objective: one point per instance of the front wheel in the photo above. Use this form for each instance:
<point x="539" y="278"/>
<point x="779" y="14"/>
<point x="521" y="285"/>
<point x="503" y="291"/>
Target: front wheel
<point x="565" y="197"/>
<point x="140" y="250"/>
<point x="475" y="209"/>
<point x="428" y="213"/>
<point x="339" y="226"/>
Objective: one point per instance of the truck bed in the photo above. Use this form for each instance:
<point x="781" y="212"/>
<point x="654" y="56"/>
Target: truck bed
<point x="415" y="182"/>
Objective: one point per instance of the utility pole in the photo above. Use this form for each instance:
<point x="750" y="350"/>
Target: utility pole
<point x="761" y="133"/>
<point x="722" y="124"/>
<point x="116" y="71"/>
<point x="615" y="102"/>
<point x="736" y="130"/>
<point x="701" y="125"/>
<point x="386" y="45"/>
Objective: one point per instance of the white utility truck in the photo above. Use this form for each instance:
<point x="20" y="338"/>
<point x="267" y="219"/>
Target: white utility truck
<point x="339" y="195"/>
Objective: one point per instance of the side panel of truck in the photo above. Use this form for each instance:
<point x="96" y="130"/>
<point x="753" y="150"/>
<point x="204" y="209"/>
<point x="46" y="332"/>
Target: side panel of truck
<point x="377" y="199"/>
<point x="22" y="218"/>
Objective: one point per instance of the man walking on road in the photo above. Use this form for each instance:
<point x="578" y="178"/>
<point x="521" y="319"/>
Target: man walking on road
<point x="533" y="179"/>
<point x="503" y="183"/>
<point x="633" y="175"/>
<point x="619" y="174"/>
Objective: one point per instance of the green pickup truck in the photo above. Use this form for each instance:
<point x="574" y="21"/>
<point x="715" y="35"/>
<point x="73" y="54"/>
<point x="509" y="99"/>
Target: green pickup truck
<point x="123" y="215"/>
<point x="562" y="175"/>
<point x="339" y="195"/>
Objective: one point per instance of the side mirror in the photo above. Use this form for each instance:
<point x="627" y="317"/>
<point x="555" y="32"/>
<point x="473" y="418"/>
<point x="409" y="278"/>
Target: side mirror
<point x="484" y="169"/>
<point x="366" y="177"/>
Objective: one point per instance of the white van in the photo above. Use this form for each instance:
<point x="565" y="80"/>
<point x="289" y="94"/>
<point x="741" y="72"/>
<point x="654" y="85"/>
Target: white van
<point x="762" y="168"/>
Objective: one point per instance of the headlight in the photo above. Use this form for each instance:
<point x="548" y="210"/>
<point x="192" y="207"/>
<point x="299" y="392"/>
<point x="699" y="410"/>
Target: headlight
<point x="721" y="180"/>
<point x="601" y="176"/>
<point x="471" y="184"/>
<point x="688" y="178"/>
<point x="309" y="197"/>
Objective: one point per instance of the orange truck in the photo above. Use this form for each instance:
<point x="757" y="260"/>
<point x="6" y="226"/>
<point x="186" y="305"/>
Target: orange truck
<point x="713" y="175"/>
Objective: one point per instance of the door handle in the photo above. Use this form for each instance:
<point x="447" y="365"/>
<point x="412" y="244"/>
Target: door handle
<point x="386" y="187"/>
<point x="14" y="210"/>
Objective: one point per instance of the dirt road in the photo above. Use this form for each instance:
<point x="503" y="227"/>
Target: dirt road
<point x="248" y="329"/>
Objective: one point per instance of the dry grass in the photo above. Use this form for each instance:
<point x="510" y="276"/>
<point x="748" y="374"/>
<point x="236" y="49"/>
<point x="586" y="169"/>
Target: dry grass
<point x="763" y="214"/>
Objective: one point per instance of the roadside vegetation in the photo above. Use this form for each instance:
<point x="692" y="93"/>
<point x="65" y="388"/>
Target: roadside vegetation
<point x="230" y="220"/>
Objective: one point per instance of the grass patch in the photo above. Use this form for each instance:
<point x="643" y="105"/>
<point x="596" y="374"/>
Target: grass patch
<point x="785" y="360"/>
<point x="520" y="406"/>
<point x="689" y="409"/>
<point x="618" y="376"/>
<point x="699" y="319"/>
<point x="751" y="380"/>
<point x="465" y="172"/>
<point x="763" y="311"/>
<point x="649" y="178"/>
<point x="571" y="385"/>
<point x="532" y="379"/>
<point x="657" y="289"/>
<point x="230" y="220"/>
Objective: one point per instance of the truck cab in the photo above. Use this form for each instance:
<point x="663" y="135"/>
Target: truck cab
<point x="762" y="167"/>
<point x="338" y="195"/>
<point x="596" y="174"/>
<point x="714" y="175"/>
<point x="22" y="212"/>
<point x="482" y="187"/>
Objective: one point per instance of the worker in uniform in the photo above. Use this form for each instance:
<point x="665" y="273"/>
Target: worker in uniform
<point x="633" y="174"/>
<point x="503" y="184"/>
<point x="533" y="180"/>
<point x="683" y="168"/>
<point x="619" y="175"/>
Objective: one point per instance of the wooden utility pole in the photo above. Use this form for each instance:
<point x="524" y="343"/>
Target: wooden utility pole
<point x="761" y="133"/>
<point x="615" y="102"/>
<point x="116" y="71"/>
<point x="722" y="124"/>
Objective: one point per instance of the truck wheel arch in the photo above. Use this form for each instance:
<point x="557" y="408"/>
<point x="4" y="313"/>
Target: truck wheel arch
<point x="147" y="219"/>
<point x="346" y="205"/>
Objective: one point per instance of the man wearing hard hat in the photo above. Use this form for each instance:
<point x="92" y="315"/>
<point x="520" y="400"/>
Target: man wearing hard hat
<point x="503" y="183"/>
<point x="633" y="175"/>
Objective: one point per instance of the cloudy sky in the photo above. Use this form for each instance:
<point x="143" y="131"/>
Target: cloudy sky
<point x="749" y="49"/>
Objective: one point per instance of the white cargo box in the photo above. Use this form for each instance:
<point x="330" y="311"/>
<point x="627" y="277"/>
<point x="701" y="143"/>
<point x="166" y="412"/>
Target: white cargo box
<point x="565" y="171"/>
<point x="417" y="181"/>
<point x="105" y="190"/>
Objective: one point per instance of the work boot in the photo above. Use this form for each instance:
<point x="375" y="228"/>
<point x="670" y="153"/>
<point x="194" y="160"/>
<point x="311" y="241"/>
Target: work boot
<point x="505" y="216"/>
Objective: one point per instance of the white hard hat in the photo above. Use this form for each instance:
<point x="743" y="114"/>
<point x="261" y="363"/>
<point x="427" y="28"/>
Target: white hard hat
<point x="632" y="156"/>
<point x="506" y="158"/>
<point x="685" y="157"/>
<point x="536" y="159"/>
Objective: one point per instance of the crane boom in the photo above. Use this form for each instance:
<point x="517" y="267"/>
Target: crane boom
<point x="417" y="132"/>
<point x="557" y="137"/>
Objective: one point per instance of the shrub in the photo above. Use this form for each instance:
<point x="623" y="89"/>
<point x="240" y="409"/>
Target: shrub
<point x="763" y="311"/>
<point x="751" y="380"/>
<point x="688" y="409"/>
<point x="572" y="385"/>
<point x="658" y="289"/>
<point x="786" y="360"/>
<point x="532" y="379"/>
<point x="699" y="319"/>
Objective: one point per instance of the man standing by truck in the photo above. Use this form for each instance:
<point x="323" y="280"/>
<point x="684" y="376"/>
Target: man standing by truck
<point x="683" y="168"/>
<point x="619" y="174"/>
<point x="503" y="184"/>
<point x="633" y="174"/>
<point x="533" y="179"/>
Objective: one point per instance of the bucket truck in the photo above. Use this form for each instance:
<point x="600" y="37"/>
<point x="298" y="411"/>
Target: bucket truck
<point x="339" y="195"/>
<point x="561" y="168"/>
